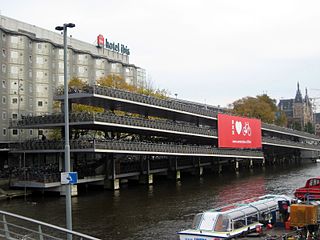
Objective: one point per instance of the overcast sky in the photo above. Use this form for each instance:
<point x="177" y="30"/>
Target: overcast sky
<point x="213" y="51"/>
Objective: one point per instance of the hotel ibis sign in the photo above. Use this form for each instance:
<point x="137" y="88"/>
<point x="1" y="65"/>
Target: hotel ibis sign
<point x="113" y="46"/>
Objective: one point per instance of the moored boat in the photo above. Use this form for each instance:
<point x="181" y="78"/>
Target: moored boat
<point x="311" y="190"/>
<point x="236" y="219"/>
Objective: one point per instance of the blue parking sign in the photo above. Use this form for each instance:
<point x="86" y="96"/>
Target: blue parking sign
<point x="69" y="178"/>
<point x="73" y="177"/>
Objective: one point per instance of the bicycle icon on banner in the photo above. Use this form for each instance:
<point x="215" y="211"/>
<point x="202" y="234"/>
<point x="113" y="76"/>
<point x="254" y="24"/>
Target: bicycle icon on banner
<point x="246" y="130"/>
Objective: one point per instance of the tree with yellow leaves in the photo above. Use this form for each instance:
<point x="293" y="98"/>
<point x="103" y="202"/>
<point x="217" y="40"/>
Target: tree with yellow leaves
<point x="261" y="107"/>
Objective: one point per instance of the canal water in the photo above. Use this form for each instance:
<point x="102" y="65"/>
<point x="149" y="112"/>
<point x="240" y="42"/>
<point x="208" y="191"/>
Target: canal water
<point x="159" y="211"/>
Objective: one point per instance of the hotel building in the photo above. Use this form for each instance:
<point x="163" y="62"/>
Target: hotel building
<point x="32" y="68"/>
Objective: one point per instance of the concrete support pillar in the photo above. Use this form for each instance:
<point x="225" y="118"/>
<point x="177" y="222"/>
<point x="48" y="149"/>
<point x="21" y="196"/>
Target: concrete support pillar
<point x="150" y="179"/>
<point x="251" y="163"/>
<point x="146" y="179"/>
<point x="178" y="175"/>
<point x="174" y="175"/>
<point x="200" y="171"/>
<point x="111" y="181"/>
<point x="219" y="168"/>
<point x="197" y="171"/>
<point x="237" y="166"/>
<point x="74" y="190"/>
<point x="112" y="184"/>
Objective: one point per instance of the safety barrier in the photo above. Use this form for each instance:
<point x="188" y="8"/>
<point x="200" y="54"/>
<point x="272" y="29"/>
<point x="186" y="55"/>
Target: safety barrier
<point x="14" y="226"/>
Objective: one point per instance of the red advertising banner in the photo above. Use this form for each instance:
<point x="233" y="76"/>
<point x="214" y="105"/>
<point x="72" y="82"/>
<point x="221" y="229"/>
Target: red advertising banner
<point x="238" y="132"/>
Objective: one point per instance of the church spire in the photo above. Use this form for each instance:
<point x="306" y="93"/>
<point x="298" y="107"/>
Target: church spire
<point x="306" y="98"/>
<point x="298" y="97"/>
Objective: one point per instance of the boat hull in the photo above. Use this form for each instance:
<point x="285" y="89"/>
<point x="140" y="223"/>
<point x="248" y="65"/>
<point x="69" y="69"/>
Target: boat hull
<point x="311" y="190"/>
<point x="304" y="194"/>
<point x="199" y="237"/>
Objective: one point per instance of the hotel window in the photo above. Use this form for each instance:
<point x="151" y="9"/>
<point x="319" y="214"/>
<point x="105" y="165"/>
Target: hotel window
<point x="14" y="39"/>
<point x="39" y="60"/>
<point x="128" y="80"/>
<point x="61" y="80"/>
<point x="14" y="55"/>
<point x="30" y="73"/>
<point x="30" y="59"/>
<point x="82" y="69"/>
<point x="14" y="100"/>
<point x="4" y="100"/>
<point x="39" y="45"/>
<point x="14" y="132"/>
<point x="4" y="132"/>
<point x="99" y="73"/>
<point x="3" y="37"/>
<point x="4" y="84"/>
<point x="40" y="103"/>
<point x="39" y="75"/>
<point x="4" y="116"/>
<point x="4" y="53"/>
<point x="30" y="132"/>
<point x="14" y="69"/>
<point x="4" y="68"/>
<point x="14" y="116"/>
<point x="81" y="57"/>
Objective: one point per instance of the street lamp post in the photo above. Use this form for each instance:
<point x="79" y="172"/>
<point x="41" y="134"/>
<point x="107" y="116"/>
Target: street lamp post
<point x="66" y="125"/>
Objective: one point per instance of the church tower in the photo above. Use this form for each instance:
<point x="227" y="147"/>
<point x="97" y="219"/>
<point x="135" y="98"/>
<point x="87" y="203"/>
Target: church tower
<point x="298" y="109"/>
<point x="308" y="111"/>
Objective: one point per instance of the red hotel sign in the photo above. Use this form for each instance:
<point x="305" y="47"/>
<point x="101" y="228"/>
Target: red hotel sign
<point x="238" y="132"/>
<point x="100" y="40"/>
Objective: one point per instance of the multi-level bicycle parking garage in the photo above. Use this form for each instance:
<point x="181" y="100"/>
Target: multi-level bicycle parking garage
<point x="150" y="137"/>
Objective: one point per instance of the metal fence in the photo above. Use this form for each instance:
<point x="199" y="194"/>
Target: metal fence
<point x="146" y="99"/>
<point x="132" y="146"/>
<point x="13" y="227"/>
<point x="172" y="104"/>
<point x="82" y="117"/>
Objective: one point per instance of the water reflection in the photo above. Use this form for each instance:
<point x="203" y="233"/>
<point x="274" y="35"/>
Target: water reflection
<point x="242" y="189"/>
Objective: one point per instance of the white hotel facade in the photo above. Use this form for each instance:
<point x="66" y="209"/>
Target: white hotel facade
<point x="32" y="67"/>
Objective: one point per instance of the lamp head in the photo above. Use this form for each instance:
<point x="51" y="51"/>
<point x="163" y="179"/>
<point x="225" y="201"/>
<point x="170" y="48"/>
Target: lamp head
<point x="70" y="25"/>
<point x="59" y="28"/>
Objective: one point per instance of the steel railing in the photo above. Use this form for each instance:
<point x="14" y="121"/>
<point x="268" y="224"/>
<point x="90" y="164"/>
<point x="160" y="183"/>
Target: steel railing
<point x="13" y="226"/>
